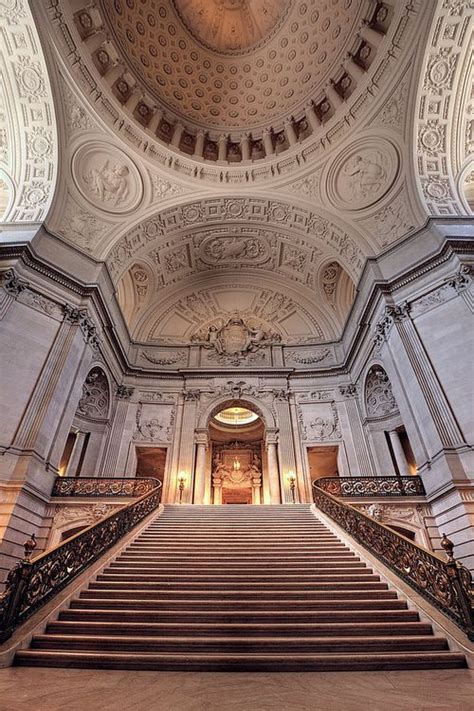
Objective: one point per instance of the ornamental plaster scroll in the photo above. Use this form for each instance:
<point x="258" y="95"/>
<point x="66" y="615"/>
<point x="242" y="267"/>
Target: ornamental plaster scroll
<point x="87" y="514"/>
<point x="394" y="221"/>
<point x="80" y="226"/>
<point x="28" y="138"/>
<point x="319" y="422"/>
<point x="316" y="396"/>
<point x="235" y="341"/>
<point x="166" y="358"/>
<point x="251" y="213"/>
<point x="443" y="122"/>
<point x="309" y="357"/>
<point x="154" y="423"/>
<point x="95" y="400"/>
<point x="335" y="126"/>
<point x="379" y="398"/>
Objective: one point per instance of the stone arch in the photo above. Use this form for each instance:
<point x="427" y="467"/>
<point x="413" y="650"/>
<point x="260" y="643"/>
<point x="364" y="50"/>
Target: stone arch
<point x="252" y="402"/>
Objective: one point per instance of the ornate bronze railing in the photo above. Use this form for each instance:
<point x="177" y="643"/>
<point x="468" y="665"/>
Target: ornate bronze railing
<point x="445" y="584"/>
<point x="103" y="486"/>
<point x="31" y="583"/>
<point x="372" y="485"/>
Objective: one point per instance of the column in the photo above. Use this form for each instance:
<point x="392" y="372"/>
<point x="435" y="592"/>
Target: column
<point x="186" y="446"/>
<point x="371" y="35"/>
<point x="199" y="146"/>
<point x="399" y="453"/>
<point x="245" y="146"/>
<point x="268" y="142"/>
<point x="303" y="481"/>
<point x="354" y="69"/>
<point x="76" y="454"/>
<point x="217" y="488"/>
<point x="200" y="470"/>
<point x="286" y="444"/>
<point x="333" y="95"/>
<point x="222" y="154"/>
<point x="273" y="469"/>
<point x="93" y="42"/>
<point x="290" y="132"/>
<point x="256" y="487"/>
<point x="123" y="395"/>
<point x="312" y="117"/>
<point x="361" y="462"/>
<point x="177" y="133"/>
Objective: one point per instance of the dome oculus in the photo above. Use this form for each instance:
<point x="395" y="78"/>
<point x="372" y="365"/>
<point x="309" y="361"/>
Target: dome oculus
<point x="231" y="25"/>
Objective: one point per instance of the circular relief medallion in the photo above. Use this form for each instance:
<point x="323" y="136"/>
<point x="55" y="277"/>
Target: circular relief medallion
<point x="362" y="174"/>
<point x="107" y="177"/>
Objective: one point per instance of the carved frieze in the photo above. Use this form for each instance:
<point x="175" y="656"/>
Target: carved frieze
<point x="319" y="422"/>
<point x="154" y="423"/>
<point x="170" y="358"/>
<point x="308" y="357"/>
<point x="235" y="341"/>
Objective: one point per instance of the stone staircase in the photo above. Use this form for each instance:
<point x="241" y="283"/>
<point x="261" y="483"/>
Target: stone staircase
<point x="239" y="588"/>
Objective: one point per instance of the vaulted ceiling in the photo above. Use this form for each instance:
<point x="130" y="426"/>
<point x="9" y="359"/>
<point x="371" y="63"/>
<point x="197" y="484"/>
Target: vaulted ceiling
<point x="235" y="156"/>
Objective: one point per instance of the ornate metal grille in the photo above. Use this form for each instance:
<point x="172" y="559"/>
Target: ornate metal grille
<point x="88" y="486"/>
<point x="445" y="584"/>
<point x="372" y="485"/>
<point x="30" y="584"/>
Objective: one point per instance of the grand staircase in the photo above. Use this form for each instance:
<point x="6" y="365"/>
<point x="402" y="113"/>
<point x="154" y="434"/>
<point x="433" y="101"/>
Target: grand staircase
<point x="239" y="588"/>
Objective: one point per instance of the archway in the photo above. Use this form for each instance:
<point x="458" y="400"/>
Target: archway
<point x="236" y="454"/>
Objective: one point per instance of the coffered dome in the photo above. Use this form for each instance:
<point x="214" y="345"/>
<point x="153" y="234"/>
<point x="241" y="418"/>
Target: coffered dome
<point x="232" y="80"/>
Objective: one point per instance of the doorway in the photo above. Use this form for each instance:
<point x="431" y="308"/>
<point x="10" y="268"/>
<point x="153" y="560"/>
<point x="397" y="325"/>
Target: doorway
<point x="323" y="461"/>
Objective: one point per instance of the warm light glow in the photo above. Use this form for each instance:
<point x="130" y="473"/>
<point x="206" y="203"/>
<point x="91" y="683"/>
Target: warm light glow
<point x="182" y="478"/>
<point x="236" y="464"/>
<point x="291" y="477"/>
<point x="236" y="416"/>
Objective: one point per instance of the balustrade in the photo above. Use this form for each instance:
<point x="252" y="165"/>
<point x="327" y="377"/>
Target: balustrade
<point x="89" y="486"/>
<point x="445" y="584"/>
<point x="372" y="486"/>
<point x="31" y="583"/>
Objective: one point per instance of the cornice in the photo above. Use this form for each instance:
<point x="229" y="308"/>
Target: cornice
<point x="378" y="291"/>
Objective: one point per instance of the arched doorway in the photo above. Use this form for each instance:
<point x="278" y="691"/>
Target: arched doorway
<point x="236" y="437"/>
<point x="236" y="454"/>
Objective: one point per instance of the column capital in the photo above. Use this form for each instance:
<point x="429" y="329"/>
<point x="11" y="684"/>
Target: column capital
<point x="201" y="436"/>
<point x="271" y="437"/>
<point x="12" y="283"/>
<point x="123" y="392"/>
<point x="348" y="391"/>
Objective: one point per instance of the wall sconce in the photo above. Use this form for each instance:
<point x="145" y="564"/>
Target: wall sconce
<point x="181" y="485"/>
<point x="292" y="483"/>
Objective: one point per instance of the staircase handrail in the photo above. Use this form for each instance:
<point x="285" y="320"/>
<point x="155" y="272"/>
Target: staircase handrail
<point x="103" y="486"/>
<point x="31" y="583"/>
<point x="372" y="485"/>
<point x="445" y="584"/>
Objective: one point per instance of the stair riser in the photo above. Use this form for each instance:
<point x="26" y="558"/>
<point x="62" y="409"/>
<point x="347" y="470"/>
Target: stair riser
<point x="242" y="630"/>
<point x="217" y="605"/>
<point x="348" y="663"/>
<point x="235" y="646"/>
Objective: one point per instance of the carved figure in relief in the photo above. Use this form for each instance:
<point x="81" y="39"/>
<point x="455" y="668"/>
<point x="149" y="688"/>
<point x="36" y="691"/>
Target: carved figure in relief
<point x="366" y="175"/>
<point x="109" y="183"/>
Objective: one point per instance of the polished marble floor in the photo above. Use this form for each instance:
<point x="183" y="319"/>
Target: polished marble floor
<point x="23" y="689"/>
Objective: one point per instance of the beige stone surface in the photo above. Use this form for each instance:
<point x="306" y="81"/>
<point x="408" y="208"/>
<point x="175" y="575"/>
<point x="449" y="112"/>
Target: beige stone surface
<point x="81" y="690"/>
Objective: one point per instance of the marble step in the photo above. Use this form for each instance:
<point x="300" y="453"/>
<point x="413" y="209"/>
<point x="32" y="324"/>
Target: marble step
<point x="243" y="662"/>
<point x="234" y="644"/>
<point x="159" y="604"/>
<point x="291" y="629"/>
<point x="204" y="595"/>
<point x="362" y="576"/>
<point x="287" y="615"/>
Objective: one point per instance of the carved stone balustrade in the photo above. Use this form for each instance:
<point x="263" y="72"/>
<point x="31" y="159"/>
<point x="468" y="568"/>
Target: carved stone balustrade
<point x="103" y="487"/>
<point x="379" y="486"/>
